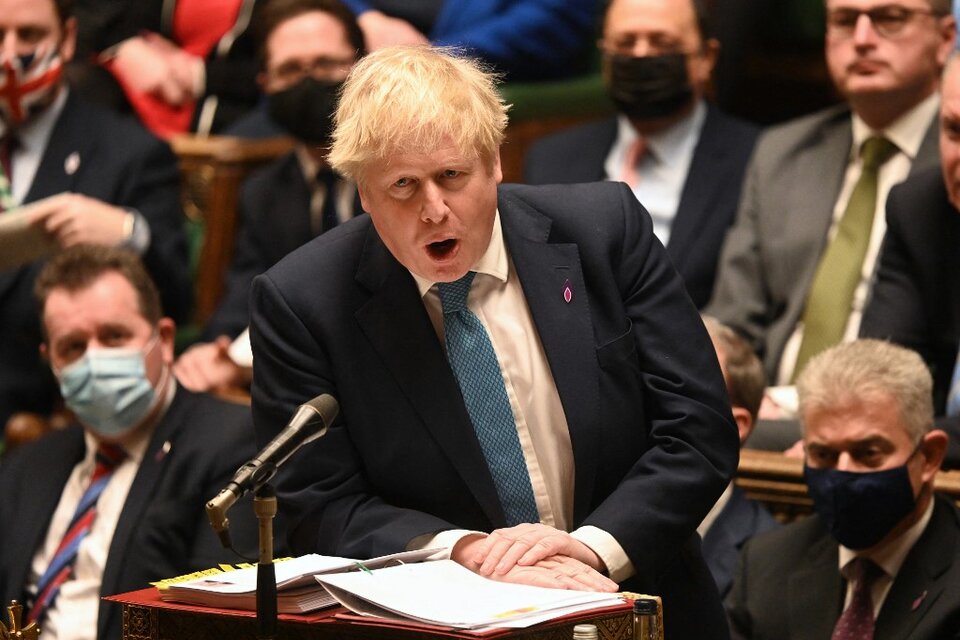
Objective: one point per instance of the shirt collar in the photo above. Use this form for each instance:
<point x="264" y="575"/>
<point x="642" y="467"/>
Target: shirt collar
<point x="493" y="262"/>
<point x="907" y="131"/>
<point x="308" y="165"/>
<point x="670" y="144"/>
<point x="890" y="556"/>
<point x="34" y="136"/>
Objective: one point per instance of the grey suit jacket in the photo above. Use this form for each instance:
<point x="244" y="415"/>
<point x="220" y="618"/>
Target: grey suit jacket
<point x="771" y="252"/>
<point x="788" y="585"/>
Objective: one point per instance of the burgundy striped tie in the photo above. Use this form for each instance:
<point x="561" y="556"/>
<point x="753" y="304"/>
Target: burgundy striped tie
<point x="856" y="622"/>
<point x="61" y="567"/>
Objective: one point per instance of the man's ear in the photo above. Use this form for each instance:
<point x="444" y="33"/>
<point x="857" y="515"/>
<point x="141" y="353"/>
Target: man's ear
<point x="744" y="423"/>
<point x="45" y="352"/>
<point x="167" y="330"/>
<point x="934" y="449"/>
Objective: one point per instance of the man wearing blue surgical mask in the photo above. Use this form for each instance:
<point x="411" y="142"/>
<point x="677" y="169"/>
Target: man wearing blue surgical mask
<point x="115" y="501"/>
<point x="881" y="556"/>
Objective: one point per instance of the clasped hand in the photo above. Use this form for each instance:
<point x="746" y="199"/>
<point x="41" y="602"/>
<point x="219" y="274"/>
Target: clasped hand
<point x="73" y="218"/>
<point x="534" y="554"/>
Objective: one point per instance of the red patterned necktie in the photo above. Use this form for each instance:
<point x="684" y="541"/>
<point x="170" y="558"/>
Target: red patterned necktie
<point x="61" y="566"/>
<point x="856" y="622"/>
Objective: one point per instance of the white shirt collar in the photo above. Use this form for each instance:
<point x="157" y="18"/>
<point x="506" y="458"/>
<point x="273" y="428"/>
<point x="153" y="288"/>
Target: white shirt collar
<point x="671" y="144"/>
<point x="907" y="131"/>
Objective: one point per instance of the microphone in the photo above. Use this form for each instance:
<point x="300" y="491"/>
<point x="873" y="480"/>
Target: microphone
<point x="310" y="422"/>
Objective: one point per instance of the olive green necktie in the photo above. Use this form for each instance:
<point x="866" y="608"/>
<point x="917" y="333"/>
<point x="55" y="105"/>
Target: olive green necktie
<point x="831" y="293"/>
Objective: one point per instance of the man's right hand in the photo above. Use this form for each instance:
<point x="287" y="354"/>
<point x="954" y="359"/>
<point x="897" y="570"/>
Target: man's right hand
<point x="208" y="366"/>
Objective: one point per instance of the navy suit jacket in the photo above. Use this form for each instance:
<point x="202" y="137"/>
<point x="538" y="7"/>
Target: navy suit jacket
<point x="652" y="435"/>
<point x="274" y="220"/>
<point x="117" y="162"/>
<point x="163" y="529"/>
<point x="788" y="584"/>
<point x="916" y="299"/>
<point x="711" y="191"/>
<point x="740" y="520"/>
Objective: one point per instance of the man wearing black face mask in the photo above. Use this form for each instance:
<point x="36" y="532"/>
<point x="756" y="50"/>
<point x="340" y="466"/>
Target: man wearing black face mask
<point x="308" y="48"/>
<point x="881" y="557"/>
<point x="683" y="158"/>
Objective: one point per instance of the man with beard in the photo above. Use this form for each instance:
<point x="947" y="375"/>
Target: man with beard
<point x="309" y="47"/>
<point x="683" y="158"/>
<point x="880" y="558"/>
<point x="93" y="178"/>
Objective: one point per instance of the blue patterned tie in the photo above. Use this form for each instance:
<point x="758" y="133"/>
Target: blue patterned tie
<point x="478" y="373"/>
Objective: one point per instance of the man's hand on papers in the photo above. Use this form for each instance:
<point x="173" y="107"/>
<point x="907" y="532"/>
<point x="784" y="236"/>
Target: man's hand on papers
<point x="73" y="218"/>
<point x="534" y="554"/>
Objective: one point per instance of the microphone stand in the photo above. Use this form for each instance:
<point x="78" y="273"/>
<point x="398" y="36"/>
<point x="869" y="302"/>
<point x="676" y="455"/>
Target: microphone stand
<point x="265" y="507"/>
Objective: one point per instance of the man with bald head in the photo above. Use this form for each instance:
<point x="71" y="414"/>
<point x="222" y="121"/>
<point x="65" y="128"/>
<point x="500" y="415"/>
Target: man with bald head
<point x="683" y="158"/>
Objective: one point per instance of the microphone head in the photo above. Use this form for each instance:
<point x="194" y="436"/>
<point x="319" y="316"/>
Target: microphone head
<point x="320" y="412"/>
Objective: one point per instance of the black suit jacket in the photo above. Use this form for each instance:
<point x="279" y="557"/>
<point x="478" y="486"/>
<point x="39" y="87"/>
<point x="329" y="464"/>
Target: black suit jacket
<point x="163" y="529"/>
<point x="788" y="584"/>
<point x="711" y="191"/>
<point x="916" y="299"/>
<point x="118" y="162"/>
<point x="739" y="521"/>
<point x="274" y="220"/>
<point x="651" y="430"/>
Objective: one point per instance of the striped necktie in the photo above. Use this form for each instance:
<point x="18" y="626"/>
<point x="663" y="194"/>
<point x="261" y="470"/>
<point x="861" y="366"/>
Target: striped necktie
<point x="108" y="457"/>
<point x="474" y="363"/>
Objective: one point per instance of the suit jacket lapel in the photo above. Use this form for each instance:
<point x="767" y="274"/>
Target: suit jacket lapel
<point x="565" y="329"/>
<point x="699" y="188"/>
<point x="916" y="587"/>
<point x="152" y="468"/>
<point x="420" y="367"/>
<point x="65" y="155"/>
<point x="813" y="593"/>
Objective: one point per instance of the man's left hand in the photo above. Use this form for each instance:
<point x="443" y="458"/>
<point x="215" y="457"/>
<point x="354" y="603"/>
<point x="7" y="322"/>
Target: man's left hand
<point x="73" y="218"/>
<point x="528" y="544"/>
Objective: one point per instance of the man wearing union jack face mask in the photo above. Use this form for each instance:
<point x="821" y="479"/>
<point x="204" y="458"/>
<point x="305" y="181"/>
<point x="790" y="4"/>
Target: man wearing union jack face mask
<point x="89" y="177"/>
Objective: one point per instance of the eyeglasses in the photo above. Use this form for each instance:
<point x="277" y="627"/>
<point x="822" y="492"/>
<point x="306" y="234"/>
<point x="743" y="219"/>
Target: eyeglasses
<point x="657" y="44"/>
<point x="294" y="71"/>
<point x="888" y="20"/>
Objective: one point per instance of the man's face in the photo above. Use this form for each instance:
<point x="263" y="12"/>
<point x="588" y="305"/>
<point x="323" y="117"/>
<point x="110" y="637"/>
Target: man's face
<point x="896" y="55"/>
<point x="656" y="27"/>
<point x="104" y="315"/>
<point x="866" y="436"/>
<point x="950" y="132"/>
<point x="27" y="26"/>
<point x="313" y="43"/>
<point x="434" y="210"/>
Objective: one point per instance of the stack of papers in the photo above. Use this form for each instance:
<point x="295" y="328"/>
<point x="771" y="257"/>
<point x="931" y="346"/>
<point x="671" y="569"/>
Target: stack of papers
<point x="297" y="590"/>
<point x="447" y="594"/>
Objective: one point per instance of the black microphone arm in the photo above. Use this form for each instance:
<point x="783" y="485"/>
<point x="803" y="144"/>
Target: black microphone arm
<point x="310" y="422"/>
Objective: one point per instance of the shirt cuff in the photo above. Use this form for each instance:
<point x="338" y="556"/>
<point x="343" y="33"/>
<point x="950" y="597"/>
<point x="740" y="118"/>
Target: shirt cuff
<point x="443" y="542"/>
<point x="619" y="567"/>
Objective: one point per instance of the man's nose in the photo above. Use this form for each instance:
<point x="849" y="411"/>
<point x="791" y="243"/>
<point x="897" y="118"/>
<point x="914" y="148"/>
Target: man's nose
<point x="433" y="207"/>
<point x="845" y="462"/>
<point x="864" y="31"/>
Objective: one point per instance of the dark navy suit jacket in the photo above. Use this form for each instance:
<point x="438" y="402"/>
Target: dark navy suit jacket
<point x="740" y="520"/>
<point x="274" y="220"/>
<point x="163" y="529"/>
<point x="101" y="155"/>
<point x="653" y="439"/>
<point x="788" y="584"/>
<point x="711" y="191"/>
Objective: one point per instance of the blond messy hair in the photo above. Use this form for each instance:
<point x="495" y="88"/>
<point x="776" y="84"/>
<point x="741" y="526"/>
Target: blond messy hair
<point x="858" y="372"/>
<point x="416" y="99"/>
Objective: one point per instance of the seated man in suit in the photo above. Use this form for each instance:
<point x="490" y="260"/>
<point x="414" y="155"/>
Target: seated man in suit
<point x="523" y="382"/>
<point x="796" y="267"/>
<point x="916" y="299"/>
<point x="683" y="158"/>
<point x="115" y="500"/>
<point x="734" y="519"/>
<point x="309" y="47"/>
<point x="880" y="558"/>
<point x="112" y="184"/>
